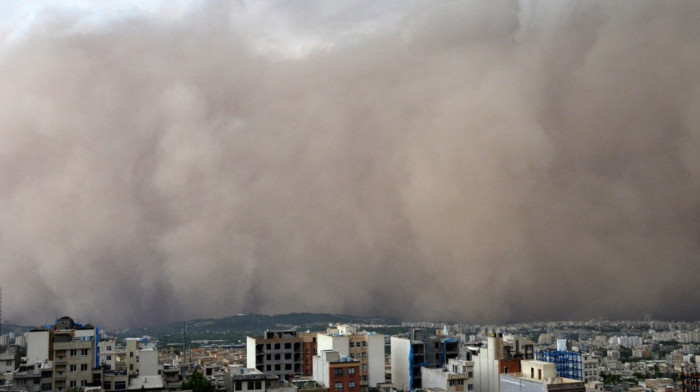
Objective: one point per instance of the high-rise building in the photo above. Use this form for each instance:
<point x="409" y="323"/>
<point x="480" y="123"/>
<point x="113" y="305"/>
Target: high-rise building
<point x="499" y="356"/>
<point x="409" y="355"/>
<point x="276" y="352"/>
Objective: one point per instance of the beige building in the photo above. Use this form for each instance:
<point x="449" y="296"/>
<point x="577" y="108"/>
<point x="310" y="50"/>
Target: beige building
<point x="538" y="376"/>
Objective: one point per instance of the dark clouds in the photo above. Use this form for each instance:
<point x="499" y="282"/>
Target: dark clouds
<point x="476" y="161"/>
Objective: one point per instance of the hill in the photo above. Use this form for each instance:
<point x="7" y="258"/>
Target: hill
<point x="234" y="329"/>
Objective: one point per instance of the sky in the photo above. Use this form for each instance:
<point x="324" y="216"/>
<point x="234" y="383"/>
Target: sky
<point x="475" y="161"/>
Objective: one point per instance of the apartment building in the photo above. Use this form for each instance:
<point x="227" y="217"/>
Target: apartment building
<point x="366" y="347"/>
<point x="276" y="352"/>
<point x="336" y="372"/>
<point x="419" y="350"/>
<point x="538" y="376"/>
<point x="497" y="357"/>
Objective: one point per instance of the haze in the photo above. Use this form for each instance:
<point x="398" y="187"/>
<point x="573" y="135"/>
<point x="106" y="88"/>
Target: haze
<point x="477" y="161"/>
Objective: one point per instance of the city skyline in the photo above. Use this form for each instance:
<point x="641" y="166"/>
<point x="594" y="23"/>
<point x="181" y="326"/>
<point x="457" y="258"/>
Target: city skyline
<point x="473" y="160"/>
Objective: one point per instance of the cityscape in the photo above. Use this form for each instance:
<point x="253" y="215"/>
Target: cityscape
<point x="350" y="195"/>
<point x="570" y="356"/>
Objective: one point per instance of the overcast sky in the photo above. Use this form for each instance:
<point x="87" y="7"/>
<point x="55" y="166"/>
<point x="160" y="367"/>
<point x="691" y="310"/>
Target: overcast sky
<point x="478" y="161"/>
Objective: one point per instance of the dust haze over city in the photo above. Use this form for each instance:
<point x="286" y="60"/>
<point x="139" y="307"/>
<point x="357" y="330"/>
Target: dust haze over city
<point x="478" y="161"/>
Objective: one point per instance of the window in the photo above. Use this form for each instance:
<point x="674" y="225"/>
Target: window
<point x="338" y="372"/>
<point x="46" y="387"/>
<point x="452" y="383"/>
<point x="268" y="346"/>
<point x="351" y="370"/>
<point x="352" y="344"/>
<point x="109" y="348"/>
<point x="277" y="346"/>
<point x="83" y="383"/>
<point x="460" y="382"/>
<point x="471" y="374"/>
<point x="470" y="387"/>
<point x="287" y="366"/>
<point x="107" y="385"/>
<point x="258" y="384"/>
<point x="131" y="354"/>
<point x="73" y="353"/>
<point x="73" y="368"/>
<point x="251" y="385"/>
<point x="83" y="367"/>
<point x="109" y="357"/>
<point x="287" y="346"/>
<point x="338" y="386"/>
<point x="119" y="385"/>
<point x="351" y="384"/>
<point x="238" y="385"/>
<point x="278" y="367"/>
<point x="288" y="356"/>
<point x="84" y="352"/>
<point x="73" y="384"/>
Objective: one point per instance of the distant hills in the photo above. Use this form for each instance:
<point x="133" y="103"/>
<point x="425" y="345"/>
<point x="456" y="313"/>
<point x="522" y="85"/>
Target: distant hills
<point x="235" y="328"/>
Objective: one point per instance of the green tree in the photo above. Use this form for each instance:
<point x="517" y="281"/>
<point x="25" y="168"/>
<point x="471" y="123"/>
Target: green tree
<point x="197" y="383"/>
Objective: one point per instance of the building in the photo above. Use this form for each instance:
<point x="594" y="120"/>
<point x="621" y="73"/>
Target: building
<point x="591" y="369"/>
<point x="447" y="380"/>
<point x="33" y="377"/>
<point x="73" y="350"/>
<point x="366" y="347"/>
<point x="336" y="372"/>
<point x="538" y="376"/>
<point x="240" y="379"/>
<point x="567" y="364"/>
<point x="10" y="360"/>
<point x="499" y="356"/>
<point x="309" y="349"/>
<point x="410" y="355"/>
<point x="276" y="352"/>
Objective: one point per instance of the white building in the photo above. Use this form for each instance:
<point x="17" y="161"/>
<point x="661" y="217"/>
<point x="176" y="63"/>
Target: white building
<point x="538" y="376"/>
<point x="366" y="347"/>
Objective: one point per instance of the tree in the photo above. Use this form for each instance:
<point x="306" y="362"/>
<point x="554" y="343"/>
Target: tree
<point x="197" y="383"/>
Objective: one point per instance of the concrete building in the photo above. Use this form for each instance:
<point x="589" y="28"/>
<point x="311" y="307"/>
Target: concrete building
<point x="366" y="347"/>
<point x="33" y="377"/>
<point x="10" y="360"/>
<point x="409" y="355"/>
<point x="141" y="357"/>
<point x="73" y="350"/>
<point x="457" y="376"/>
<point x="108" y="353"/>
<point x="538" y="376"/>
<point x="443" y="380"/>
<point x="276" y="352"/>
<point x="591" y="369"/>
<point x="497" y="357"/>
<point x="309" y="349"/>
<point x="38" y="345"/>
<point x="336" y="372"/>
